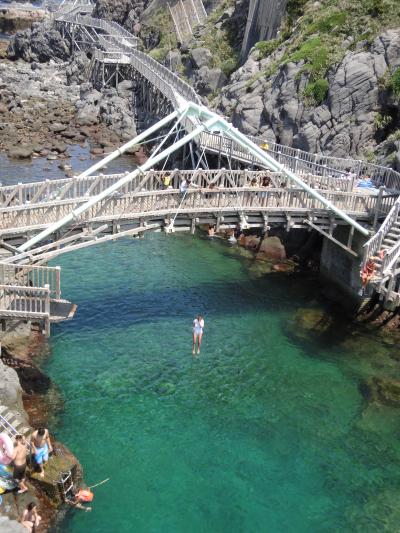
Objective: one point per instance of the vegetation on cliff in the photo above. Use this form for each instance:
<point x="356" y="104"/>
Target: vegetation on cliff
<point x="319" y="34"/>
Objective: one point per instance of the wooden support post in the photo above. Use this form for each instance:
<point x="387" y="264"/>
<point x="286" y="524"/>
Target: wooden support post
<point x="58" y="282"/>
<point x="47" y="311"/>
<point x="193" y="226"/>
<point x="350" y="239"/>
<point x="331" y="225"/>
<point x="378" y="205"/>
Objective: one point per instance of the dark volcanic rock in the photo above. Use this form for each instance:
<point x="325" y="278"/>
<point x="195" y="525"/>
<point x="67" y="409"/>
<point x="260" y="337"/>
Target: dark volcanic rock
<point x="75" y="71"/>
<point x="40" y="43"/>
<point x="343" y="124"/>
<point x="125" y="12"/>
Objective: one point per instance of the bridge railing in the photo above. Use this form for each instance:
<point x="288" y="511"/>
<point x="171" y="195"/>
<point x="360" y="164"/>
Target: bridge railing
<point x="380" y="176"/>
<point x="24" y="302"/>
<point x="161" y="203"/>
<point x="70" y="188"/>
<point x="302" y="162"/>
<point x="163" y="79"/>
<point x="32" y="276"/>
<point x="125" y="38"/>
<point x="373" y="246"/>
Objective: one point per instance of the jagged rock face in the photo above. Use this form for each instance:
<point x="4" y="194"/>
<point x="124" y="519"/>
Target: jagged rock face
<point x="235" y="24"/>
<point x="109" y="108"/>
<point x="40" y="43"/>
<point x="125" y="12"/>
<point x="76" y="70"/>
<point x="343" y="124"/>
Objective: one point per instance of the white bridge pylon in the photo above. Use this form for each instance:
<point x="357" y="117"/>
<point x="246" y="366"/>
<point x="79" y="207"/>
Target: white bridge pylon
<point x="203" y="120"/>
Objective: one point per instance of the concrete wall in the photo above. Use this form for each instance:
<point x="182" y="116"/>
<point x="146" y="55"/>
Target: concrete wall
<point x="340" y="267"/>
<point x="263" y="21"/>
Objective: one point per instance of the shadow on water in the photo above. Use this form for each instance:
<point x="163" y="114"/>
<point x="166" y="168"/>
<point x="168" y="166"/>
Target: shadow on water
<point x="131" y="305"/>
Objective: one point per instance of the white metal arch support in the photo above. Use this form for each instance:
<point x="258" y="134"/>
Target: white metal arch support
<point x="202" y="119"/>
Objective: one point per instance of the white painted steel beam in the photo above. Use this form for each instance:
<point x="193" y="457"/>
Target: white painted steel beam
<point x="120" y="183"/>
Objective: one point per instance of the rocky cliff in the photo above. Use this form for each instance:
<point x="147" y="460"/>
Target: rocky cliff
<point x="347" y="120"/>
<point x="329" y="82"/>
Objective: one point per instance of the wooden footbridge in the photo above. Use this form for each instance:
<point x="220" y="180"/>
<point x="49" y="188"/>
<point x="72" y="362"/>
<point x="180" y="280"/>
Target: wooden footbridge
<point x="262" y="184"/>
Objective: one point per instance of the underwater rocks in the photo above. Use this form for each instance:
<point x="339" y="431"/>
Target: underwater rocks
<point x="315" y="320"/>
<point x="385" y="391"/>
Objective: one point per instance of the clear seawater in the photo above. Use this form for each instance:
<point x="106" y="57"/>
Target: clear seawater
<point x="266" y="431"/>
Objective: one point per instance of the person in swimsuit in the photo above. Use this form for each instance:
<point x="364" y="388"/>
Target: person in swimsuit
<point x="19" y="463"/>
<point x="198" y="325"/>
<point x="30" y="518"/>
<point x="41" y="447"/>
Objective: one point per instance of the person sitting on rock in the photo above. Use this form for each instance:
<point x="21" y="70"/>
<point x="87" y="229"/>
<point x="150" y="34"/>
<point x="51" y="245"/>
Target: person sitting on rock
<point x="30" y="518"/>
<point x="19" y="463"/>
<point x="41" y="447"/>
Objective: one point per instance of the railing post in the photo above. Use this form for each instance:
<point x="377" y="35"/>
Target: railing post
<point x="58" y="282"/>
<point x="378" y="204"/>
<point x="47" y="310"/>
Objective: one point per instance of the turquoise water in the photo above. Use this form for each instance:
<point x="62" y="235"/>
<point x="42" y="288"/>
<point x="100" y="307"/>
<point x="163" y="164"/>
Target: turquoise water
<point x="266" y="431"/>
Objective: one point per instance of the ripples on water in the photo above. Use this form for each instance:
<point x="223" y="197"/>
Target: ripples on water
<point x="266" y="431"/>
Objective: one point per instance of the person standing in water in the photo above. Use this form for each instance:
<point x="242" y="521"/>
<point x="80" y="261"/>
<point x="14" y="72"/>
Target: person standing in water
<point x="198" y="325"/>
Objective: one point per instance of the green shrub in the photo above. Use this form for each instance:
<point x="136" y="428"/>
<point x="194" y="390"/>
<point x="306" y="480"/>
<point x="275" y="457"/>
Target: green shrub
<point x="317" y="90"/>
<point x="265" y="48"/>
<point x="315" y="54"/>
<point x="395" y="82"/>
<point x="382" y="121"/>
<point x="229" y="65"/>
<point x="375" y="8"/>
<point x="329" y="23"/>
<point x="295" y="8"/>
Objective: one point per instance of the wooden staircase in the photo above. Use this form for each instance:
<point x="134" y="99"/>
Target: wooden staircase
<point x="384" y="248"/>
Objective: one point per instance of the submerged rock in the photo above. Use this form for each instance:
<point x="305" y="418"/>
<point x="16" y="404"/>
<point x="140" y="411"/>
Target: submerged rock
<point x="312" y="319"/>
<point x="382" y="390"/>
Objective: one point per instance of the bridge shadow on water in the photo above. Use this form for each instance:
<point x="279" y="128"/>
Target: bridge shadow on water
<point x="289" y="296"/>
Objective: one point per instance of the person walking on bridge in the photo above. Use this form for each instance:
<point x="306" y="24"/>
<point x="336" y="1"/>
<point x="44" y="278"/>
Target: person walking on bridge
<point x="198" y="326"/>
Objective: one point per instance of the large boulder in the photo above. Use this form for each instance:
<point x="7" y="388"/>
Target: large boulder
<point x="271" y="249"/>
<point x="40" y="43"/>
<point x="201" y="57"/>
<point x="20" y="152"/>
<point x="209" y="80"/>
<point x="76" y="70"/>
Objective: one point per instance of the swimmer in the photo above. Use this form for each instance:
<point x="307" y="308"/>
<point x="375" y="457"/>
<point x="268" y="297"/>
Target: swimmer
<point x="198" y="325"/>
